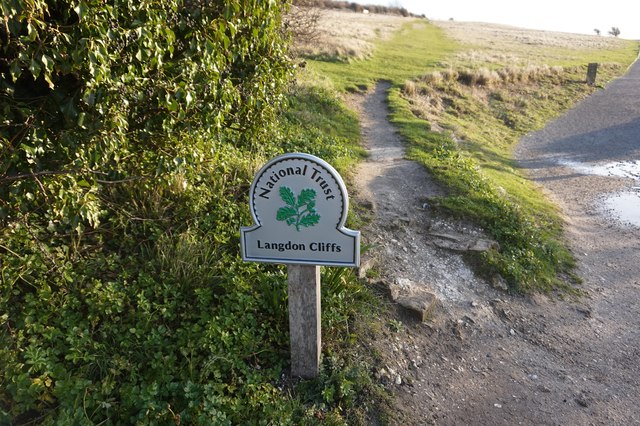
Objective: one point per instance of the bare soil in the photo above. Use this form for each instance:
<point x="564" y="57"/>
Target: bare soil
<point x="487" y="357"/>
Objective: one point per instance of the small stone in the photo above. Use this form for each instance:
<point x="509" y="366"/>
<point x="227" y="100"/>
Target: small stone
<point x="398" y="380"/>
<point x="512" y="332"/>
<point x="413" y="297"/>
<point x="382" y="373"/>
<point x="533" y="377"/>
<point x="497" y="405"/>
<point x="366" y="265"/>
<point x="499" y="283"/>
<point x="582" y="402"/>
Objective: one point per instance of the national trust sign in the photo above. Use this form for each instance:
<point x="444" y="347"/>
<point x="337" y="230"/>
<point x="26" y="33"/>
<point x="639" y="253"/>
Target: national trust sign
<point x="299" y="205"/>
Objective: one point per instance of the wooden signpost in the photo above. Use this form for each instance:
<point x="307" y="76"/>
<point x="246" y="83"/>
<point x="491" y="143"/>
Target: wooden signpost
<point x="299" y="205"/>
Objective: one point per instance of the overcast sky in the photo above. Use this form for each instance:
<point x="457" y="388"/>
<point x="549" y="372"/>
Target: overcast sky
<point x="574" y="16"/>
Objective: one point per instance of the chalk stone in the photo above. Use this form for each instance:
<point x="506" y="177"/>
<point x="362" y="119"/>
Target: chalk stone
<point x="413" y="297"/>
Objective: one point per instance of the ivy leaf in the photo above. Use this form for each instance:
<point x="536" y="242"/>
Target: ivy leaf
<point x="285" y="213"/>
<point x="310" y="220"/>
<point x="15" y="70"/>
<point x="81" y="10"/>
<point x="306" y="195"/>
<point x="35" y="69"/>
<point x="287" y="196"/>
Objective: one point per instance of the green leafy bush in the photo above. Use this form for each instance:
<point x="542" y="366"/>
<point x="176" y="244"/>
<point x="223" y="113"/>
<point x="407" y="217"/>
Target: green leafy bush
<point x="130" y="132"/>
<point x="95" y="93"/>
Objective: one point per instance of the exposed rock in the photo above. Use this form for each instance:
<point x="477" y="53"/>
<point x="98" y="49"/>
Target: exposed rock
<point x="414" y="297"/>
<point x="366" y="264"/>
<point x="463" y="243"/>
<point x="499" y="283"/>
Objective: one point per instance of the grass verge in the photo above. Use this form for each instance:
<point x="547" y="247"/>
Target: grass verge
<point x="487" y="117"/>
<point x="485" y="96"/>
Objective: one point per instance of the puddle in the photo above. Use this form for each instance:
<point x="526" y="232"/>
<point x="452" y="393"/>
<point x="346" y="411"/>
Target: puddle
<point x="628" y="169"/>
<point x="623" y="206"/>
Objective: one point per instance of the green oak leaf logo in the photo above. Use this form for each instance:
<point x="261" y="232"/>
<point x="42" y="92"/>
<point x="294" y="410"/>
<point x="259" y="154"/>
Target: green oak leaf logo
<point x="299" y="211"/>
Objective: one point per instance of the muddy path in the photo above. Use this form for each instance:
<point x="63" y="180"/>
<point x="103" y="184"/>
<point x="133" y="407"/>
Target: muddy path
<point x="486" y="357"/>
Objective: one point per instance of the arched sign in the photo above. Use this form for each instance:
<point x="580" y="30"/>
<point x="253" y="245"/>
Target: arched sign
<point x="299" y="205"/>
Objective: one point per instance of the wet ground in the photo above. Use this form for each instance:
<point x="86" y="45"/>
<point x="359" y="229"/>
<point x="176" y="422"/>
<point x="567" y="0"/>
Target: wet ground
<point x="622" y="206"/>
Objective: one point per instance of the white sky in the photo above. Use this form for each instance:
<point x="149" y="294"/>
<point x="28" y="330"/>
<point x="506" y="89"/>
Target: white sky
<point x="574" y="16"/>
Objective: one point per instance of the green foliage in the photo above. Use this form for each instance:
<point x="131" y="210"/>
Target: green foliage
<point x="344" y="392"/>
<point x="94" y="94"/>
<point x="317" y="123"/>
<point x="130" y="135"/>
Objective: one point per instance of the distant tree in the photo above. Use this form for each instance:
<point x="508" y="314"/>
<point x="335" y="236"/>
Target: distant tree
<point x="358" y="8"/>
<point x="615" y="31"/>
<point x="597" y="31"/>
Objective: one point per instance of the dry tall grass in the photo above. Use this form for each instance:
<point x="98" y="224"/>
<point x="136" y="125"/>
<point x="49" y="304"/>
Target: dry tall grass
<point x="430" y="93"/>
<point x="502" y="59"/>
<point x="483" y="34"/>
<point x="349" y="35"/>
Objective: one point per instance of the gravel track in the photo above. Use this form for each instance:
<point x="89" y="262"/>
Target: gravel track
<point x="488" y="358"/>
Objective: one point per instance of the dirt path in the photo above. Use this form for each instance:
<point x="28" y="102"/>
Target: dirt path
<point x="487" y="357"/>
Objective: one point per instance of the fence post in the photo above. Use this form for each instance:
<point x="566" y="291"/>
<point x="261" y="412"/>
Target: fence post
<point x="592" y="71"/>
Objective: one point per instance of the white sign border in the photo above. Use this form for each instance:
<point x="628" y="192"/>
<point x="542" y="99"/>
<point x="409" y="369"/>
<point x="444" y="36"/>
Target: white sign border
<point x="339" y="227"/>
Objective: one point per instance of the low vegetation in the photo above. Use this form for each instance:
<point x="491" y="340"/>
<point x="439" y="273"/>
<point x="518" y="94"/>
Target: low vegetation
<point x="129" y="141"/>
<point x="415" y="47"/>
<point x="480" y="110"/>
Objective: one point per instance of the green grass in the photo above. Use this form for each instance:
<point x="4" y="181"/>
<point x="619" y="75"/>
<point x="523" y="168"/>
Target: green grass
<point x="486" y="188"/>
<point x="485" y="183"/>
<point x="417" y="48"/>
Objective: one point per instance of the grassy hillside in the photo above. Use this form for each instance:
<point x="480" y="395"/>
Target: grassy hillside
<point x="462" y="96"/>
<point x="415" y="47"/>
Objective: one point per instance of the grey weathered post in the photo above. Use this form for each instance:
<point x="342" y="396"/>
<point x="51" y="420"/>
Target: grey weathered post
<point x="592" y="71"/>
<point x="299" y="205"/>
<point x="304" y="320"/>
